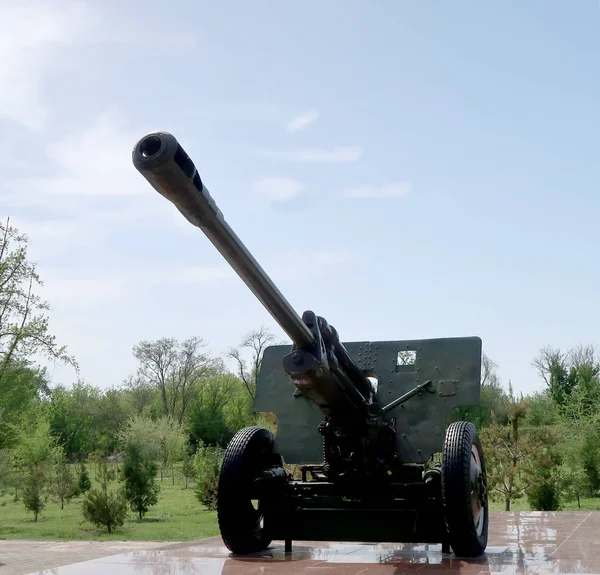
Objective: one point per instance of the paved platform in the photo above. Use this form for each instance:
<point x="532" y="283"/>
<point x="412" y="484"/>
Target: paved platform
<point x="519" y="542"/>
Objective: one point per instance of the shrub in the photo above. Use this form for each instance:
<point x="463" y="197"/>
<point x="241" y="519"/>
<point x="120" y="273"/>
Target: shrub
<point x="207" y="464"/>
<point x="544" y="497"/>
<point x="105" y="508"/>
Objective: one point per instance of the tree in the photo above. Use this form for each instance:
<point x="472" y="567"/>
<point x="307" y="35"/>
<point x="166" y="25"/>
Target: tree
<point x="84" y="483"/>
<point x="207" y="464"/>
<point x="256" y="341"/>
<point x="545" y="489"/>
<point x="208" y="421"/>
<point x="187" y="467"/>
<point x="175" y="369"/>
<point x="140" y="393"/>
<point x="141" y="446"/>
<point x="507" y="454"/>
<point x="171" y="443"/>
<point x="74" y="414"/>
<point x="33" y="489"/>
<point x="139" y="472"/>
<point x="573" y="483"/>
<point x="553" y="367"/>
<point x="65" y="485"/>
<point x="24" y="327"/>
<point x="23" y="387"/>
<point x="35" y="445"/>
<point x="33" y="457"/>
<point x="142" y="432"/>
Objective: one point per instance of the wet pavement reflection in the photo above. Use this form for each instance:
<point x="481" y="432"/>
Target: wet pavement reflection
<point x="518" y="543"/>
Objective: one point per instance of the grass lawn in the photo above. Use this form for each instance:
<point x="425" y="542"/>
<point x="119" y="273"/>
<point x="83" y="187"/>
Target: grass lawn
<point x="587" y="504"/>
<point x="178" y="516"/>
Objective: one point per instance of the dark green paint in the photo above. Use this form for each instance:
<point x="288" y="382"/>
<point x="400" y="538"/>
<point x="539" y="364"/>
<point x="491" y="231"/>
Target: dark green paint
<point x="421" y="421"/>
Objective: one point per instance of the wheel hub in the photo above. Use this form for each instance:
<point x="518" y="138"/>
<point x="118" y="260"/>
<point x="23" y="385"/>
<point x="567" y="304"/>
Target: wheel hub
<point x="478" y="490"/>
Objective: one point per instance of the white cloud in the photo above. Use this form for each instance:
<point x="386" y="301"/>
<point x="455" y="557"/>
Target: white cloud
<point x="94" y="162"/>
<point x="302" y="121"/>
<point x="397" y="190"/>
<point x="335" y="155"/>
<point x="278" y="189"/>
<point x="68" y="289"/>
<point x="29" y="34"/>
<point x="89" y="189"/>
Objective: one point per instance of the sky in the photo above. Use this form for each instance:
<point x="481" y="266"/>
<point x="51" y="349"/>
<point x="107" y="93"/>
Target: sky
<point x="405" y="169"/>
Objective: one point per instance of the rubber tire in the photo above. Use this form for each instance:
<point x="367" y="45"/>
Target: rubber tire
<point x="456" y="490"/>
<point x="249" y="452"/>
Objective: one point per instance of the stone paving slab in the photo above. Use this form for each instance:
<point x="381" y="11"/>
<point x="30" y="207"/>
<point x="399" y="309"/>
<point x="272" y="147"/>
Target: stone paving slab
<point x="22" y="556"/>
<point x="528" y="542"/>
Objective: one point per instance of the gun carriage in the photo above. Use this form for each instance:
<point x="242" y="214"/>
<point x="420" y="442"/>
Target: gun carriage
<point x="365" y="420"/>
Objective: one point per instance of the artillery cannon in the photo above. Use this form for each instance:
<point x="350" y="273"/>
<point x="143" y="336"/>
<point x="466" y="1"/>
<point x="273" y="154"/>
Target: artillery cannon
<point x="365" y="420"/>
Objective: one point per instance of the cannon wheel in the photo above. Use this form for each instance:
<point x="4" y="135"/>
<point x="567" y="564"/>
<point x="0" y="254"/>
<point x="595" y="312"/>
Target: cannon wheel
<point x="464" y="490"/>
<point x="249" y="452"/>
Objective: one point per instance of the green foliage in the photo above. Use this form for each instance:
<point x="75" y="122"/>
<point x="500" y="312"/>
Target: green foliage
<point x="171" y="441"/>
<point x="33" y="458"/>
<point x="34" y="445"/>
<point x="106" y="473"/>
<point x="221" y="407"/>
<point x="541" y="411"/>
<point x="34" y="482"/>
<point x="207" y="464"/>
<point x="23" y="387"/>
<point x="24" y="329"/>
<point x="545" y="489"/>
<point x="105" y="508"/>
<point x="141" y="432"/>
<point x="84" y="483"/>
<point x="139" y="471"/>
<point x="73" y="417"/>
<point x="64" y="486"/>
<point x="520" y="460"/>
<point x="573" y="483"/>
<point x="178" y="516"/>
<point x="187" y="467"/>
<point x="176" y="369"/>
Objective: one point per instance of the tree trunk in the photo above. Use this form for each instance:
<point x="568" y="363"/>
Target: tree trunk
<point x="62" y="503"/>
<point x="140" y="514"/>
<point x="578" y="502"/>
<point x="507" y="504"/>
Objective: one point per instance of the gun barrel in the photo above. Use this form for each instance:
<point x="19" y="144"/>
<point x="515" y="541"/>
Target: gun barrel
<point x="160" y="158"/>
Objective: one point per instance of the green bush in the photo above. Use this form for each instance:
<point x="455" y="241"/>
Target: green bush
<point x="105" y="508"/>
<point x="207" y="465"/>
<point x="545" y="497"/>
